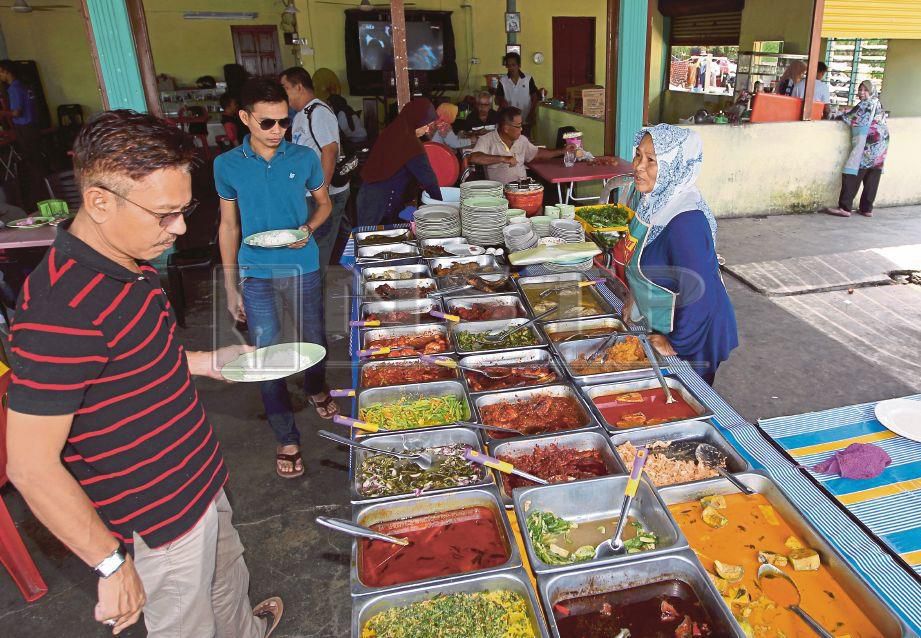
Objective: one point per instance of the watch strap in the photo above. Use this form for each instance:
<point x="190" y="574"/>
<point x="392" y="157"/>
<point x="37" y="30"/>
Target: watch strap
<point x="111" y="563"/>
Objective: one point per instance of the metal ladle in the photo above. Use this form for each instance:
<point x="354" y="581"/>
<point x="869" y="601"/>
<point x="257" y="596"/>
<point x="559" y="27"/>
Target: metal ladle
<point x="614" y="546"/>
<point x="497" y="336"/>
<point x="488" y="428"/>
<point x="770" y="571"/>
<point x="424" y="460"/>
<point x="352" y="529"/>
<point x="715" y="459"/>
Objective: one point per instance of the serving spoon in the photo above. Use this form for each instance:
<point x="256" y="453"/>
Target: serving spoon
<point x="768" y="571"/>
<point x="353" y="529"/>
<point x="423" y="459"/>
<point x="499" y="335"/>
<point x="715" y="459"/>
<point x="614" y="546"/>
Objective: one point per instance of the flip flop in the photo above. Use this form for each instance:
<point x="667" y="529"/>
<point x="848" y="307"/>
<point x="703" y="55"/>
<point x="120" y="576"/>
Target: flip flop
<point x="837" y="212"/>
<point x="292" y="459"/>
<point x="264" y="610"/>
<point x="328" y="405"/>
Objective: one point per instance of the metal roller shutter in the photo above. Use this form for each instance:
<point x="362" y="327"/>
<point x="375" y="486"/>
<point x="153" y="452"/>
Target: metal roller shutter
<point x="709" y="29"/>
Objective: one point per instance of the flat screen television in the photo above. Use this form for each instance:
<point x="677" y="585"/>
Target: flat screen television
<point x="369" y="50"/>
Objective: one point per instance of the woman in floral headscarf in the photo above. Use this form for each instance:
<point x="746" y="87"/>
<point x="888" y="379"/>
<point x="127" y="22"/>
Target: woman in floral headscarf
<point x="672" y="272"/>
<point x="869" y="145"/>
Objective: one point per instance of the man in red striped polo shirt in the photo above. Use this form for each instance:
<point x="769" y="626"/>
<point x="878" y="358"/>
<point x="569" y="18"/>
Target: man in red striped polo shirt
<point x="108" y="442"/>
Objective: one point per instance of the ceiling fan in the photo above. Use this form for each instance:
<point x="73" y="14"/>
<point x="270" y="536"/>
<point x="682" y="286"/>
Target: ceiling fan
<point x="365" y="5"/>
<point x="22" y="6"/>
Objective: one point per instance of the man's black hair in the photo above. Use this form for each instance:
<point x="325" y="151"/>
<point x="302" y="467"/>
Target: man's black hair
<point x="298" y="75"/>
<point x="508" y="114"/>
<point x="257" y="90"/>
<point x="822" y="68"/>
<point x="511" y="55"/>
<point x="10" y="67"/>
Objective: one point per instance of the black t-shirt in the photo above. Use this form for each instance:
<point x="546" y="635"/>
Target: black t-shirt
<point x="473" y="120"/>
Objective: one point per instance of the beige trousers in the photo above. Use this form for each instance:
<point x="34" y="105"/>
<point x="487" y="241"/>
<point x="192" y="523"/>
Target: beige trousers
<point x="198" y="585"/>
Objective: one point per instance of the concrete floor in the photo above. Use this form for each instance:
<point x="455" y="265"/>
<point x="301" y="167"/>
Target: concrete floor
<point x="784" y="366"/>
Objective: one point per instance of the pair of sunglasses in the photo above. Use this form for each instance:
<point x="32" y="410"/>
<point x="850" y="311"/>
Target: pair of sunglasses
<point x="268" y="123"/>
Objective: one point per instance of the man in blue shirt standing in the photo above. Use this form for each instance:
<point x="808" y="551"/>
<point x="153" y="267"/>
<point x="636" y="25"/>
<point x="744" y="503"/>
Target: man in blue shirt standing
<point x="28" y="136"/>
<point x="262" y="185"/>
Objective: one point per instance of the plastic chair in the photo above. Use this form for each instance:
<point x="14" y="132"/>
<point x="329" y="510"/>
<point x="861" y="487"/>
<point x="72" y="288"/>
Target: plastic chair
<point x="193" y="257"/>
<point x="194" y="121"/>
<point x="63" y="185"/>
<point x="13" y="553"/>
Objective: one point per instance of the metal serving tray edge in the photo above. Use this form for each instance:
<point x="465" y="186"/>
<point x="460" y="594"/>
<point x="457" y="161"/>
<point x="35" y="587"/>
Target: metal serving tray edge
<point x="368" y="294"/>
<point x="408" y="439"/>
<point x="394" y="392"/>
<point x="372" y="334"/>
<point x="479" y="327"/>
<point x="531" y="355"/>
<point x="558" y="389"/>
<point x="515" y="580"/>
<point x="571" y="350"/>
<point x="606" y="308"/>
<point x="856" y="587"/>
<point x="421" y="271"/>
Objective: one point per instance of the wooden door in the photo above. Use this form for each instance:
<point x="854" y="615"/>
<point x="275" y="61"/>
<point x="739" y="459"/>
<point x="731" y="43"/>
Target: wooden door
<point x="573" y="53"/>
<point x="256" y="49"/>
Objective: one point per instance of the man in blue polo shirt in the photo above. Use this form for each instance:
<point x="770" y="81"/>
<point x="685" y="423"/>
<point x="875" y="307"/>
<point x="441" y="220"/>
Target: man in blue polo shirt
<point x="28" y="135"/>
<point x="263" y="185"/>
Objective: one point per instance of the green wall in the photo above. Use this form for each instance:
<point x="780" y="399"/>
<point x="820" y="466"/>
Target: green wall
<point x="901" y="95"/>
<point x="56" y="40"/>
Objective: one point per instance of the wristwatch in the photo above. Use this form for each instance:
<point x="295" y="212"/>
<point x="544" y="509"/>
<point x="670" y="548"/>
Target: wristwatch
<point x="111" y="563"/>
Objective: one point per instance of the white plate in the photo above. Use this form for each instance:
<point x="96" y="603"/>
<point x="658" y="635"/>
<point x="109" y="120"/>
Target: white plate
<point x="273" y="362"/>
<point x="276" y="238"/>
<point x="902" y="416"/>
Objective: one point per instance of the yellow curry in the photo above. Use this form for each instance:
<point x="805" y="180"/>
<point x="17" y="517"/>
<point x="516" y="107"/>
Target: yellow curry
<point x="730" y="532"/>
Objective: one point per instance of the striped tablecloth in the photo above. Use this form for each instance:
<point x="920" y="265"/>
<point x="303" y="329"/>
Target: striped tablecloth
<point x="890" y="505"/>
<point x="896" y="585"/>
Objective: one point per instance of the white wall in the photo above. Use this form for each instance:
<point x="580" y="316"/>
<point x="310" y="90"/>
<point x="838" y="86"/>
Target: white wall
<point x="796" y="166"/>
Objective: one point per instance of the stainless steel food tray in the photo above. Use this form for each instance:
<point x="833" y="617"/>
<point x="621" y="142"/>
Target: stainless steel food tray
<point x="393" y="393"/>
<point x="611" y="324"/>
<point x="398" y="234"/>
<point x="888" y="624"/>
<point x="480" y="327"/>
<point x="558" y="280"/>
<point x="453" y="303"/>
<point x="390" y="363"/>
<point x="571" y="350"/>
<point x="418" y="271"/>
<point x="453" y="281"/>
<point x="580" y="441"/>
<point x="483" y="261"/>
<point x="516" y="357"/>
<point x="556" y="391"/>
<point x="370" y="335"/>
<point x="420" y="307"/>
<point x="439" y="241"/>
<point x="399" y="510"/>
<point x="682" y="566"/>
<point x="593" y="500"/>
<point x="414" y="439"/>
<point x="515" y="580"/>
<point x="368" y="293"/>
<point x="687" y="434"/>
<point x="367" y="255"/>
<point x="590" y="392"/>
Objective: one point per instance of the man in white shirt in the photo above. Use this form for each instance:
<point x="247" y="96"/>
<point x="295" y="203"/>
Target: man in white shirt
<point x="504" y="152"/>
<point x="517" y="89"/>
<point x="821" y="87"/>
<point x="316" y="126"/>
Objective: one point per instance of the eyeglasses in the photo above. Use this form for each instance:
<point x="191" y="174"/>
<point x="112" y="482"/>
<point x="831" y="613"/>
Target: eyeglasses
<point x="165" y="219"/>
<point x="268" y="123"/>
<point x="514" y="125"/>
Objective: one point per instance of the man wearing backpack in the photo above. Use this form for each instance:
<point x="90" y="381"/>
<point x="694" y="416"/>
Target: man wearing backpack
<point x="315" y="126"/>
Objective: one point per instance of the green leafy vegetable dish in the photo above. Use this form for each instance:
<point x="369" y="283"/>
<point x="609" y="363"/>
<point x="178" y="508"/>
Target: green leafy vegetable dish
<point x="606" y="215"/>
<point x="411" y="412"/>
<point x="557" y="541"/>
<point x="472" y="341"/>
<point x="385" y="475"/>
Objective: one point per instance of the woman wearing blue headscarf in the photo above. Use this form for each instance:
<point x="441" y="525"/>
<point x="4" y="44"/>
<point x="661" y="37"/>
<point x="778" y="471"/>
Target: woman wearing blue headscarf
<point x="672" y="272"/>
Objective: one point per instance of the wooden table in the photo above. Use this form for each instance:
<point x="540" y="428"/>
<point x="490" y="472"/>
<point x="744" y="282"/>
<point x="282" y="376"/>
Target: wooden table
<point x="553" y="171"/>
<point x="12" y="238"/>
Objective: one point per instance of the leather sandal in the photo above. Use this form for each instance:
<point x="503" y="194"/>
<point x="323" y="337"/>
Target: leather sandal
<point x="292" y="458"/>
<point x="328" y="406"/>
<point x="271" y="609"/>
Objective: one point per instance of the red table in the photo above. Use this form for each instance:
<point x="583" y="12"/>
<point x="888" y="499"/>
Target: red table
<point x="11" y="238"/>
<point x="553" y="171"/>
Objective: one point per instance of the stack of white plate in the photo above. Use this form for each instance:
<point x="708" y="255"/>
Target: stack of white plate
<point x="553" y="212"/>
<point x="541" y="225"/>
<point x="437" y="221"/>
<point x="567" y="211"/>
<point x="514" y="215"/>
<point x="481" y="188"/>
<point x="568" y="230"/>
<point x="519" y="237"/>
<point x="482" y="219"/>
<point x="569" y="265"/>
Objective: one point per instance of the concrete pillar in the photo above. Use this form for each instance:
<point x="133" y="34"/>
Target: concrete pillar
<point x="116" y="58"/>
<point x="631" y="74"/>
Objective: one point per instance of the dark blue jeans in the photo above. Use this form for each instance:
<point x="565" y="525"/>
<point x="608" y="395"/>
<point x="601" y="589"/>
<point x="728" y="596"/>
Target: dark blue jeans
<point x="267" y="301"/>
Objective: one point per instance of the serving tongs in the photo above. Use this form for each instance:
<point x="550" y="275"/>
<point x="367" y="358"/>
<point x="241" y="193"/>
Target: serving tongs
<point x="495" y="374"/>
<point x="499" y="335"/>
<point x="501" y="466"/>
<point x="654" y="362"/>
<point x="487" y="428"/>
<point x="580" y="284"/>
<point x="352" y="529"/>
<point x="424" y="460"/>
<point x="614" y="546"/>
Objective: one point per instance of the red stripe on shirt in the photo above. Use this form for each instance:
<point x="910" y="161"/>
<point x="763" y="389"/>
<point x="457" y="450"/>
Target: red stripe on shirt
<point x="87" y="289"/>
<point x="143" y="368"/>
<point x="60" y="330"/>
<point x="56" y="387"/>
<point x="158" y="479"/>
<point x="140" y="313"/>
<point x="156" y="457"/>
<point x="144" y="412"/>
<point x="127" y="395"/>
<point x="26" y="296"/>
<point x="55" y="273"/>
<point x="174" y="493"/>
<point x="112" y="306"/>
<point x="188" y="506"/>
<point x="41" y="358"/>
<point x="147" y="339"/>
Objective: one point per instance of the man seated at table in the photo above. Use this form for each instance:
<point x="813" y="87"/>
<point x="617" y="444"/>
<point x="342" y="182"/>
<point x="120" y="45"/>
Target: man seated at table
<point x="504" y="152"/>
<point x="483" y="115"/>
